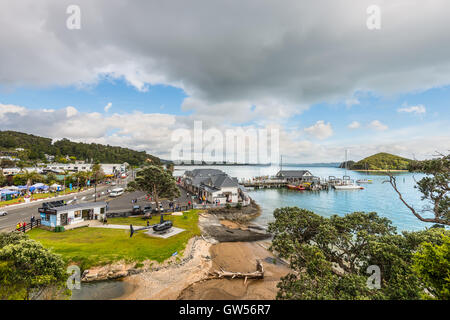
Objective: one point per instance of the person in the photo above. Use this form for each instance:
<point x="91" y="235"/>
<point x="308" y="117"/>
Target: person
<point x="24" y="226"/>
<point x="131" y="230"/>
<point x="148" y="223"/>
<point x="189" y="203"/>
<point x="18" y="226"/>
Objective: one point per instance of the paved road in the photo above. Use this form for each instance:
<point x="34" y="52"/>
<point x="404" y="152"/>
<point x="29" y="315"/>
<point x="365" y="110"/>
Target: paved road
<point x="119" y="204"/>
<point x="24" y="212"/>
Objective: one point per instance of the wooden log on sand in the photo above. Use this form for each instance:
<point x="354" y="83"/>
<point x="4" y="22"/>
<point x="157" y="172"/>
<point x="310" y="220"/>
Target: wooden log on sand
<point x="258" y="274"/>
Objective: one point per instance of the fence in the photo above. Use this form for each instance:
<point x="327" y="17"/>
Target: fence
<point x="29" y="226"/>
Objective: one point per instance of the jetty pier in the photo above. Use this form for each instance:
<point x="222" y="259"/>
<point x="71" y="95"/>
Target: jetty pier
<point x="287" y="177"/>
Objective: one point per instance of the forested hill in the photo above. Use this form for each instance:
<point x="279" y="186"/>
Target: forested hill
<point x="382" y="161"/>
<point x="36" y="147"/>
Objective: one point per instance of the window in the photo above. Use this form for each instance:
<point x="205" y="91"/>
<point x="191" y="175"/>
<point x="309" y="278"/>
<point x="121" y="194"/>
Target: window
<point x="77" y="214"/>
<point x="102" y="210"/>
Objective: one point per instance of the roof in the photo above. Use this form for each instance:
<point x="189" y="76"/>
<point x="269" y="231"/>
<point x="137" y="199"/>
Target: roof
<point x="292" y="173"/>
<point x="81" y="206"/>
<point x="224" y="181"/>
<point x="204" y="172"/>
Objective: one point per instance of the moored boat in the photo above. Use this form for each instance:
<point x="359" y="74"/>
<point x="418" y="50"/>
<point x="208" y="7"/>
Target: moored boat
<point x="348" y="187"/>
<point x="294" y="187"/>
<point x="364" y="181"/>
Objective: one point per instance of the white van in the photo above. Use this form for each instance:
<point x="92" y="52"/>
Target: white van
<point x="116" y="192"/>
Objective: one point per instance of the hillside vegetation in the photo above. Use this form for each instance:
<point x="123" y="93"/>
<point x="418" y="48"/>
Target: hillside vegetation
<point x="37" y="146"/>
<point x="382" y="161"/>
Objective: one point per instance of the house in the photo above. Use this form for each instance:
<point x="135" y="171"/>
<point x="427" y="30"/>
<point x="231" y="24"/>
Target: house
<point x="214" y="185"/>
<point x="56" y="213"/>
<point x="295" y="176"/>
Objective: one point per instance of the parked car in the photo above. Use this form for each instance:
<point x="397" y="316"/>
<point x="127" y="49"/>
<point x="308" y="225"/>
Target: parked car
<point x="3" y="213"/>
<point x="136" y="210"/>
<point x="161" y="208"/>
<point x="147" y="210"/>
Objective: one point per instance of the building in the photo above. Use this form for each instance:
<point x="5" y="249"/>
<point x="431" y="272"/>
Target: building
<point x="295" y="176"/>
<point x="56" y="213"/>
<point x="108" y="168"/>
<point x="214" y="185"/>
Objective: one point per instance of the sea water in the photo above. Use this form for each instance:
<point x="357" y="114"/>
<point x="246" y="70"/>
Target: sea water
<point x="377" y="197"/>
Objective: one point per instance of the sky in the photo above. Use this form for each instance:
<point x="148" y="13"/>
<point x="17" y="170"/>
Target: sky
<point x="136" y="71"/>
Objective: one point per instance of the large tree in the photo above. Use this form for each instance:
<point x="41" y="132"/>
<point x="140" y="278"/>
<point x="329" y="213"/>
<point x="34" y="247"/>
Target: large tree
<point x="330" y="256"/>
<point x="432" y="264"/>
<point x="156" y="181"/>
<point x="27" y="269"/>
<point x="2" y="178"/>
<point x="435" y="188"/>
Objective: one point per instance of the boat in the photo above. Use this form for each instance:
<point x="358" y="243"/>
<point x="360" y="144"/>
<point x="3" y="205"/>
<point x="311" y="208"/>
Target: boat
<point x="346" y="183"/>
<point x="348" y="187"/>
<point x="364" y="181"/>
<point x="294" y="187"/>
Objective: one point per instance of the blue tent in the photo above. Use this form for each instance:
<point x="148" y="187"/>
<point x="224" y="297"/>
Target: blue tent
<point x="5" y="192"/>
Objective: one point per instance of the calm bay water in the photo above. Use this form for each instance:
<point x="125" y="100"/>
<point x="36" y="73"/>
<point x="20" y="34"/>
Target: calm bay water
<point x="378" y="196"/>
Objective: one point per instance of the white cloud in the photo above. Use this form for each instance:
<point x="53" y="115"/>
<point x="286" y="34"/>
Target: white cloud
<point x="377" y="125"/>
<point x="6" y="109"/>
<point x="320" y="130"/>
<point x="351" y="102"/>
<point x="354" y="125"/>
<point x="71" y="111"/>
<point x="278" y="53"/>
<point x="419" y="109"/>
<point x="108" y="106"/>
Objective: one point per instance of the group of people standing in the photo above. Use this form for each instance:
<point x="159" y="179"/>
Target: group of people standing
<point x="21" y="226"/>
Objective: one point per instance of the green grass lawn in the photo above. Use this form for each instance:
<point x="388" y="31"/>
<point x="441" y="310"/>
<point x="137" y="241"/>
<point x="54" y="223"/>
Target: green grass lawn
<point x="98" y="246"/>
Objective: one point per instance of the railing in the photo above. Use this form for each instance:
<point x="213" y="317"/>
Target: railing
<point x="29" y="226"/>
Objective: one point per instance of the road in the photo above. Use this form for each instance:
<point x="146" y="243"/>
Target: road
<point x="119" y="204"/>
<point x="24" y="212"/>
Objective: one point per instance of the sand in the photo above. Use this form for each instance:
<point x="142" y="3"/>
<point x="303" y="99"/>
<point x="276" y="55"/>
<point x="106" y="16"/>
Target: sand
<point x="170" y="280"/>
<point x="239" y="257"/>
<point x="238" y="250"/>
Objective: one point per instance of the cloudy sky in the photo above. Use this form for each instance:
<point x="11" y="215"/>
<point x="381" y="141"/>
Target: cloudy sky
<point x="137" y="70"/>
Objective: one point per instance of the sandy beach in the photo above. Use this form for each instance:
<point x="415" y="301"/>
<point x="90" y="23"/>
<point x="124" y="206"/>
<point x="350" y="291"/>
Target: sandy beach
<point x="191" y="279"/>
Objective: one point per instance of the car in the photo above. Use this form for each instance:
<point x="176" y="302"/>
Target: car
<point x="136" y="210"/>
<point x="3" y="213"/>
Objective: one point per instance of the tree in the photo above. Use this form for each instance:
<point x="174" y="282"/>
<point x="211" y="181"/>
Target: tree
<point x="432" y="263"/>
<point x="28" y="178"/>
<point x="330" y="256"/>
<point x="27" y="269"/>
<point x="434" y="187"/>
<point x="51" y="178"/>
<point x="156" y="181"/>
<point x="2" y="178"/>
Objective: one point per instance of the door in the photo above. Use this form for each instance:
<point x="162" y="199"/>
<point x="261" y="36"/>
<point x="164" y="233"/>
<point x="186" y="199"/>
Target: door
<point x="64" y="219"/>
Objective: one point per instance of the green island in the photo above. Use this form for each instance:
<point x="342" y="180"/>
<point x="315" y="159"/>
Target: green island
<point x="90" y="246"/>
<point x="379" y="162"/>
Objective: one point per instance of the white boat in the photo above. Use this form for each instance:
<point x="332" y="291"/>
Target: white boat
<point x="364" y="181"/>
<point x="348" y="187"/>
<point x="346" y="183"/>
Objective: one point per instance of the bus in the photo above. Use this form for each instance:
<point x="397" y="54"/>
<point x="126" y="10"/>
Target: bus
<point x="116" y="192"/>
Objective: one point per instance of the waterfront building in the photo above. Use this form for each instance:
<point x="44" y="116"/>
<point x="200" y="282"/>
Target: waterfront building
<point x="54" y="214"/>
<point x="214" y="185"/>
<point x="295" y="176"/>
